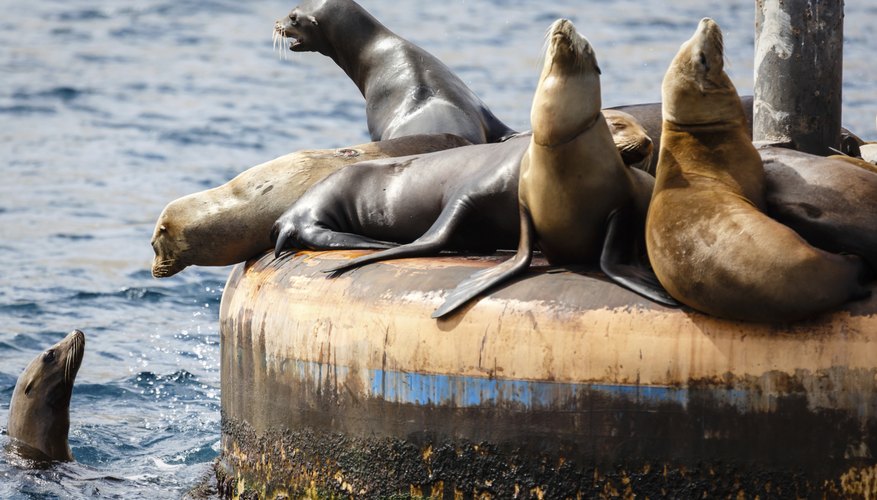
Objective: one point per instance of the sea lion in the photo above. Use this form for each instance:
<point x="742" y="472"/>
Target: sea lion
<point x="648" y="115"/>
<point x="577" y="199"/>
<point x="708" y="240"/>
<point x="231" y="223"/>
<point x="39" y="414"/>
<point x="824" y="200"/>
<point x="407" y="90"/>
<point x="830" y="202"/>
<point x="464" y="199"/>
<point x="458" y="199"/>
<point x="631" y="139"/>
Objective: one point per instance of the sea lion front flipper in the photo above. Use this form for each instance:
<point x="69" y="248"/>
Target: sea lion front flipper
<point x="433" y="241"/>
<point x="619" y="247"/>
<point x="322" y="238"/>
<point x="485" y="279"/>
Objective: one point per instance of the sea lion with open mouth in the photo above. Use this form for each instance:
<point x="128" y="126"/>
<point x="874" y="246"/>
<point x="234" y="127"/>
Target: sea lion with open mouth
<point x="407" y="90"/>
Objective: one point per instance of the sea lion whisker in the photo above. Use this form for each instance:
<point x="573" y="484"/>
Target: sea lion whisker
<point x="67" y="362"/>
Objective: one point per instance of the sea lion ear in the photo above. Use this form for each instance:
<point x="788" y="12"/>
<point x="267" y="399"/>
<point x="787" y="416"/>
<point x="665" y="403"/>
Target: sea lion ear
<point x="313" y="20"/>
<point x="28" y="387"/>
<point x="597" y="66"/>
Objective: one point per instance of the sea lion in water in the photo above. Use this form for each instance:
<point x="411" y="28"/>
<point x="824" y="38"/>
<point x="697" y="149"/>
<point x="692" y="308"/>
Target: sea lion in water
<point x="708" y="240"/>
<point x="407" y="90"/>
<point x="39" y="414"/>
<point x="577" y="199"/>
<point x="232" y="223"/>
<point x="464" y="199"/>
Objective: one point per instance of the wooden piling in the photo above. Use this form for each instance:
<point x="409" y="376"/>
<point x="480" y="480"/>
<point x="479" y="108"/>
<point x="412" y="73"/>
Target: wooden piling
<point x="798" y="73"/>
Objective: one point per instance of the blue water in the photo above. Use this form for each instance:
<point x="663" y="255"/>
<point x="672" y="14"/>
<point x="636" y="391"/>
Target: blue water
<point x="109" y="110"/>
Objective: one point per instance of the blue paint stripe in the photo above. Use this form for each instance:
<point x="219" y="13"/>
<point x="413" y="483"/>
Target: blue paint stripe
<point x="472" y="392"/>
<point x="463" y="392"/>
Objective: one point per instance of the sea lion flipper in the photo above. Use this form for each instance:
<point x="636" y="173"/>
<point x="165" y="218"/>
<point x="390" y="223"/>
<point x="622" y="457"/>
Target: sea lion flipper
<point x="318" y="237"/>
<point x="618" y="247"/>
<point x="431" y="242"/>
<point x="485" y="279"/>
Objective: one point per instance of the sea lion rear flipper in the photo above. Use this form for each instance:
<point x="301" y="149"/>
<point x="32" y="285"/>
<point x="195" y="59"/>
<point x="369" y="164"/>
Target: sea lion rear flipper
<point x="618" y="247"/>
<point x="431" y="242"/>
<point x="485" y="279"/>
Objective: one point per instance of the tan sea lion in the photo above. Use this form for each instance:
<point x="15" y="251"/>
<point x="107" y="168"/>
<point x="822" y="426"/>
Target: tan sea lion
<point x="577" y="199"/>
<point x="708" y="240"/>
<point x="231" y="223"/>
<point x="631" y="139"/>
<point x="407" y="90"/>
<point x="39" y="414"/>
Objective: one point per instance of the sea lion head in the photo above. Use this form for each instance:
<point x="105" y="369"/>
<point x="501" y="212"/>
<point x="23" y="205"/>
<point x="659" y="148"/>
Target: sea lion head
<point x="303" y="28"/>
<point x="39" y="414"/>
<point x="696" y="90"/>
<point x="567" y="98"/>
<point x="169" y="242"/>
<point x="631" y="139"/>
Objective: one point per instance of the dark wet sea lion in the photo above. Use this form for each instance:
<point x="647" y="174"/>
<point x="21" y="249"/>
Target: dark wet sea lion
<point x="39" y="414"/>
<point x="407" y="90"/>
<point x="232" y="223"/>
<point x="708" y="240"/>
<point x="433" y="197"/>
<point x="461" y="199"/>
<point x="577" y="199"/>
<point x="831" y="202"/>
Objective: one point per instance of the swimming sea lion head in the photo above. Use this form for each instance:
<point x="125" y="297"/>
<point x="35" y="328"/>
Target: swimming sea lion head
<point x="39" y="414"/>
<point x="631" y="139"/>
<point x="169" y="245"/>
<point x="303" y="29"/>
<point x="567" y="98"/>
<point x="696" y="90"/>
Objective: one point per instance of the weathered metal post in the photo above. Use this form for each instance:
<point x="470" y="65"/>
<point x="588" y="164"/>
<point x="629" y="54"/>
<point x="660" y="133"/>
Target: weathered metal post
<point x="798" y="73"/>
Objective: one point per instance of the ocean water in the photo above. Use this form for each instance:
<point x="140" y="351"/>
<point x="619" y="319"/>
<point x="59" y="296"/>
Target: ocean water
<point x="110" y="110"/>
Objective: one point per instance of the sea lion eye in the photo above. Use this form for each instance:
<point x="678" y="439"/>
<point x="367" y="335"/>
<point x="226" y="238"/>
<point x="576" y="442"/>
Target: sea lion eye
<point x="703" y="61"/>
<point x="49" y="356"/>
<point x="293" y="19"/>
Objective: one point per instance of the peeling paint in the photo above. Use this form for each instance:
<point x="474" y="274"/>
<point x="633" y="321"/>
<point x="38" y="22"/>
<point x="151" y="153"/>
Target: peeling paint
<point x="328" y="395"/>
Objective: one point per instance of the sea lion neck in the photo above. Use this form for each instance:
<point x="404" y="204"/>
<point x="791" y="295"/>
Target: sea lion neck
<point x="567" y="99"/>
<point x="359" y="30"/>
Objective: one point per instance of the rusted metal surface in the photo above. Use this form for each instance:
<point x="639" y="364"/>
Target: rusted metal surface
<point x="799" y="74"/>
<point x="561" y="384"/>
